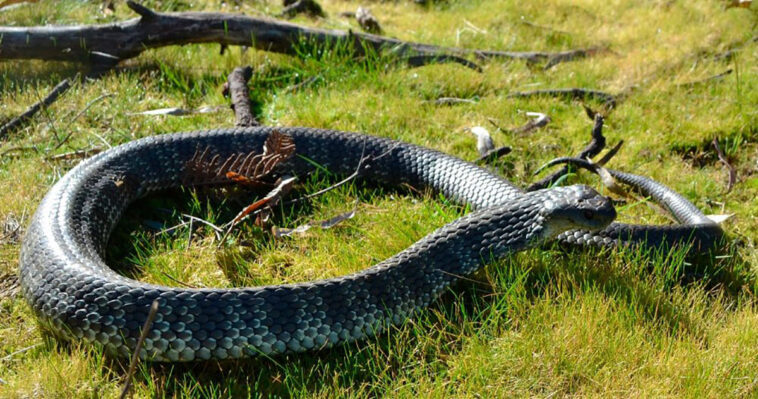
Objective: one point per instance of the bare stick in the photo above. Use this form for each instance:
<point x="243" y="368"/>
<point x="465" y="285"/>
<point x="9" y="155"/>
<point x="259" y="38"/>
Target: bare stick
<point x="362" y="164"/>
<point x="722" y="158"/>
<point x="572" y="55"/>
<point x="593" y="148"/>
<point x="109" y="43"/>
<point x="138" y="347"/>
<point x="74" y="154"/>
<point x="23" y="119"/>
<point x="240" y="95"/>
<point x="571" y="93"/>
<point x="720" y="76"/>
<point x="421" y="60"/>
<point x="177" y="280"/>
<point x="18" y="352"/>
<point x="493" y="154"/>
<point x="80" y="113"/>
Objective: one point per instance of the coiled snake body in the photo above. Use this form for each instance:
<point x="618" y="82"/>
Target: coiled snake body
<point x="69" y="286"/>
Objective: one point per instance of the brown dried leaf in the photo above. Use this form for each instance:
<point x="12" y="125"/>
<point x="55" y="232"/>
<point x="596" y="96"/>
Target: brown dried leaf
<point x="250" y="169"/>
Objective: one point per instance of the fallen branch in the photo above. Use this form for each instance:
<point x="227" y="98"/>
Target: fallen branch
<point x="23" y="119"/>
<point x="593" y="148"/>
<point x="493" y="154"/>
<point x="719" y="76"/>
<point x="416" y="61"/>
<point x="108" y="44"/>
<point x="572" y="55"/>
<point x="239" y="92"/>
<point x="722" y="158"/>
<point x="571" y="93"/>
<point x="451" y="101"/>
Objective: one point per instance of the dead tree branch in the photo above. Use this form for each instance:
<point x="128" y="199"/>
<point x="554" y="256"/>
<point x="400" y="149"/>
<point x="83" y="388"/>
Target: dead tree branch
<point x="240" y="95"/>
<point x="572" y="93"/>
<point x="23" y="119"/>
<point x="593" y="148"/>
<point x="110" y="43"/>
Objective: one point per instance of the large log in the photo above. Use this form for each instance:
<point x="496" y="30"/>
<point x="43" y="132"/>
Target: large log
<point x="107" y="44"/>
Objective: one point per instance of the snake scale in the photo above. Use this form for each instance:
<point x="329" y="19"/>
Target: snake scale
<point x="71" y="289"/>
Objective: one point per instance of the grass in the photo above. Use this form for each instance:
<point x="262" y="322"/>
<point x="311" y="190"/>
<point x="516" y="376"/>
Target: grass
<point x="541" y="323"/>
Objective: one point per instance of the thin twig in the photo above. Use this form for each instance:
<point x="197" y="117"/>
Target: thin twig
<point x="203" y="221"/>
<point x="177" y="280"/>
<point x="570" y="93"/>
<point x="722" y="158"/>
<point x="19" y="149"/>
<point x="719" y="76"/>
<point x="593" y="148"/>
<point x="422" y="60"/>
<point x="21" y="120"/>
<point x="493" y="154"/>
<point x="74" y="154"/>
<point x="18" y="352"/>
<point x="358" y="170"/>
<point x="80" y="113"/>
<point x="138" y="347"/>
<point x="451" y="101"/>
<point x="332" y="187"/>
<point x="610" y="154"/>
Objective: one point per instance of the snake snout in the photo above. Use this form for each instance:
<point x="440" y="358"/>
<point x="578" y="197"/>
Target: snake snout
<point x="579" y="207"/>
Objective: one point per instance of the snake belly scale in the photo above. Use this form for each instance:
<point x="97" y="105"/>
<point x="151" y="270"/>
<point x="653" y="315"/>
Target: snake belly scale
<point x="71" y="289"/>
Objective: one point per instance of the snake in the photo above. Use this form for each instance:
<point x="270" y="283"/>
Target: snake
<point x="74" y="293"/>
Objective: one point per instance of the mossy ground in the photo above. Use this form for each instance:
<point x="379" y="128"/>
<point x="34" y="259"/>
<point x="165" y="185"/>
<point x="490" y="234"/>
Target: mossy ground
<point x="542" y="323"/>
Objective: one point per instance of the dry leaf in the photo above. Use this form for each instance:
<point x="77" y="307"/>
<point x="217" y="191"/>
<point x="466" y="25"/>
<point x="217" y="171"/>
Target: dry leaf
<point x="484" y="142"/>
<point x="540" y="120"/>
<point x="720" y="219"/>
<point x="250" y="169"/>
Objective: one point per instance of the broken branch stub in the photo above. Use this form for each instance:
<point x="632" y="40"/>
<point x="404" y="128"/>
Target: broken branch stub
<point x="240" y="95"/>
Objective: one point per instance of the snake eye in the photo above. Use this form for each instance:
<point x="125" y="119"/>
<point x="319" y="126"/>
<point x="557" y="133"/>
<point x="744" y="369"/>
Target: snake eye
<point x="589" y="214"/>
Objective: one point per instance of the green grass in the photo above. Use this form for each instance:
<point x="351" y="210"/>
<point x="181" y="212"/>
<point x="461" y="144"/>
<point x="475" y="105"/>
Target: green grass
<point x="543" y="323"/>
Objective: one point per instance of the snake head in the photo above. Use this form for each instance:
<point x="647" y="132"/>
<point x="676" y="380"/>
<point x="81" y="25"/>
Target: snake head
<point x="576" y="208"/>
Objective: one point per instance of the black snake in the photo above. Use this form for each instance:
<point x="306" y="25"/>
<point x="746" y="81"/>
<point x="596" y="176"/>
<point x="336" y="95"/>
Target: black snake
<point x="69" y="286"/>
